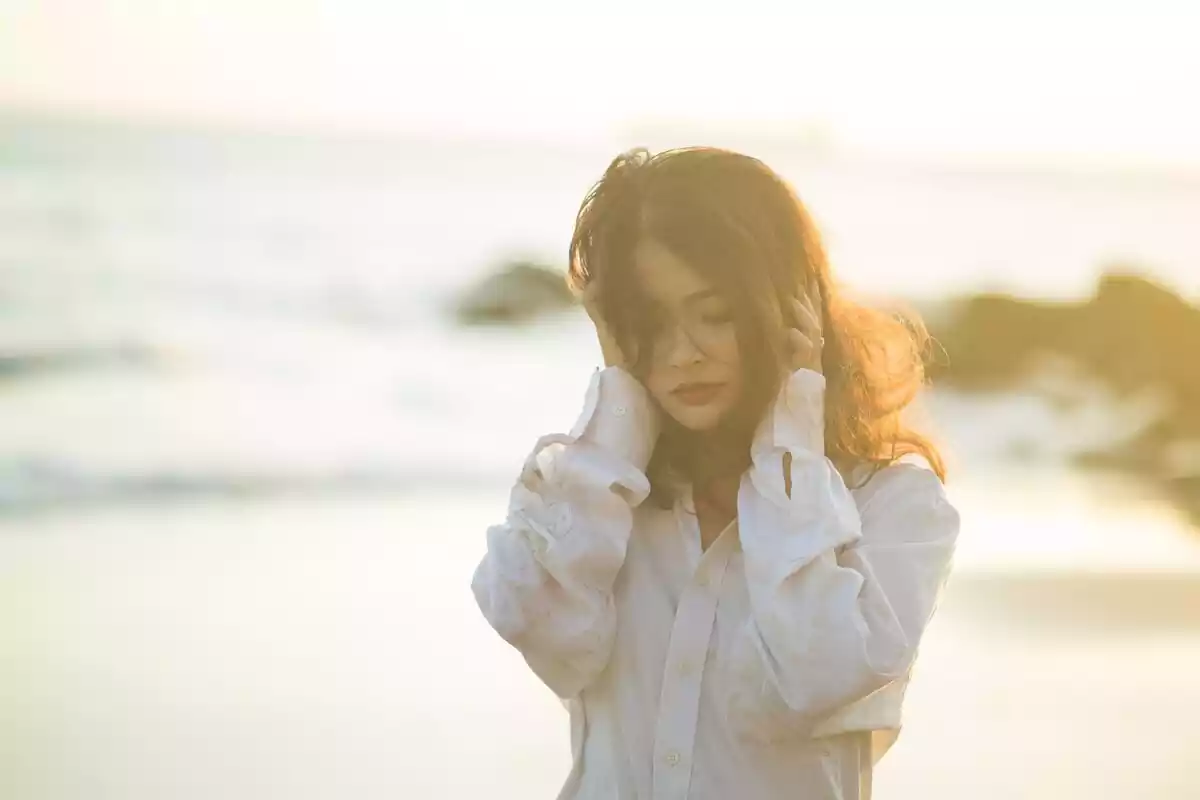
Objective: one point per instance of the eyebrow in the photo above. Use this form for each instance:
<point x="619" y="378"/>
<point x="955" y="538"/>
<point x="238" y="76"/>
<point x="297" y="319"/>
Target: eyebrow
<point x="696" y="297"/>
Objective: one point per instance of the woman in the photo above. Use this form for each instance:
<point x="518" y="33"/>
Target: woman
<point x="726" y="567"/>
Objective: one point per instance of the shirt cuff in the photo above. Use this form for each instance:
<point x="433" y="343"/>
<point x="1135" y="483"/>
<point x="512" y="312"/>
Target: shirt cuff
<point x="796" y="422"/>
<point x="619" y="417"/>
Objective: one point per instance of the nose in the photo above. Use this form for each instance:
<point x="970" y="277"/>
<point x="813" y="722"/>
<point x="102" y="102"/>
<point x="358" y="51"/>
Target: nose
<point x="679" y="348"/>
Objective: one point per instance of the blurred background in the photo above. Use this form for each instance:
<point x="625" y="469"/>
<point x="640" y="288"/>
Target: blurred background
<point x="276" y="333"/>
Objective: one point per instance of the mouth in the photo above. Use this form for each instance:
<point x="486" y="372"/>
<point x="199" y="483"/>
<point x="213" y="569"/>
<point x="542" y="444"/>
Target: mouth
<point x="697" y="394"/>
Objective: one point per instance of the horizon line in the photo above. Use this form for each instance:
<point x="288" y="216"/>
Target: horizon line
<point x="811" y="137"/>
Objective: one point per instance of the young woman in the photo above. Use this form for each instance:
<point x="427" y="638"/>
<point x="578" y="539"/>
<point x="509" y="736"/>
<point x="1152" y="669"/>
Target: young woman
<point x="726" y="567"/>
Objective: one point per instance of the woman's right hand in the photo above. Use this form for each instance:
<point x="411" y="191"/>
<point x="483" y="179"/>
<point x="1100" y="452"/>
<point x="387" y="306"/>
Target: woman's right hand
<point x="611" y="351"/>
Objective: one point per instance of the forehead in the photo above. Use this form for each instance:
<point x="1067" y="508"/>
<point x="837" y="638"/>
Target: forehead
<point x="665" y="277"/>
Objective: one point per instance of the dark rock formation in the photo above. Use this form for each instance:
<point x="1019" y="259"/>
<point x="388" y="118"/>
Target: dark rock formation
<point x="519" y="291"/>
<point x="1133" y="334"/>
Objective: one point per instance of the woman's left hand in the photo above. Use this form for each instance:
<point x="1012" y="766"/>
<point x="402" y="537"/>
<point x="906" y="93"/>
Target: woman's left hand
<point x="804" y="337"/>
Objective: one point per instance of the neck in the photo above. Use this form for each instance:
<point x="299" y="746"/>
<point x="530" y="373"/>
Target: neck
<point x="711" y="459"/>
<point x="719" y="494"/>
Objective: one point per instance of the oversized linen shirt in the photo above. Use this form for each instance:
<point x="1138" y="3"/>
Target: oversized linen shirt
<point x="755" y="669"/>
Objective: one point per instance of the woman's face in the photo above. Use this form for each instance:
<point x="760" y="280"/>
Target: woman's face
<point x="694" y="371"/>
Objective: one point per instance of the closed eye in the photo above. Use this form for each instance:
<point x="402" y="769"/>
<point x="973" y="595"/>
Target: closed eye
<point x="699" y="296"/>
<point x="716" y="318"/>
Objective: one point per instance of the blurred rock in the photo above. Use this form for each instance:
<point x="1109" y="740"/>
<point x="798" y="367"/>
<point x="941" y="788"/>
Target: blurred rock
<point x="1135" y="336"/>
<point x="519" y="291"/>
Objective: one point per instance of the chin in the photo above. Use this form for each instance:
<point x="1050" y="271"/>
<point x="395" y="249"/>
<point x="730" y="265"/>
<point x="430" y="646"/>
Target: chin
<point x="698" y="418"/>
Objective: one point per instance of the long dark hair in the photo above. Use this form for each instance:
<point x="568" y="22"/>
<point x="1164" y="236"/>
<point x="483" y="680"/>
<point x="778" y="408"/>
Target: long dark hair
<point x="742" y="227"/>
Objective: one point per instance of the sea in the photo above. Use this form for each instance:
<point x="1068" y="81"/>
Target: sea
<point x="248" y="456"/>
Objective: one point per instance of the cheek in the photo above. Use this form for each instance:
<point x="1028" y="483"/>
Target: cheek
<point x="724" y="350"/>
<point x="730" y="356"/>
<point x="729" y="352"/>
<point x="659" y="384"/>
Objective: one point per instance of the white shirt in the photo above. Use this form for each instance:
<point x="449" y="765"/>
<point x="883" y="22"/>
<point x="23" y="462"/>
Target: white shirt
<point x="756" y="669"/>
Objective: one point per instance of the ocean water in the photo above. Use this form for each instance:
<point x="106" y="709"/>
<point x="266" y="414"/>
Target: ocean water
<point x="246" y="462"/>
<point x="188" y="312"/>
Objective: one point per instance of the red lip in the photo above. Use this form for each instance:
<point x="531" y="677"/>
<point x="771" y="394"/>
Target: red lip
<point x="697" y="394"/>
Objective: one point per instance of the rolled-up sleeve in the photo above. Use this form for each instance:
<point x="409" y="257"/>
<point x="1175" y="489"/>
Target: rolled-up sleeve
<point x="839" y="596"/>
<point x="545" y="583"/>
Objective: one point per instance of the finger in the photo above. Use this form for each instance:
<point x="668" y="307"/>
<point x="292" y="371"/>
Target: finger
<point x="812" y="298"/>
<point x="807" y="319"/>
<point x="812" y="291"/>
<point x="799" y="344"/>
<point x="797" y="312"/>
<point x="804" y="352"/>
<point x="798" y="338"/>
<point x="814" y="303"/>
<point x="813" y="295"/>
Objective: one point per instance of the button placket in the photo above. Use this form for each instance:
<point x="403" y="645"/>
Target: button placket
<point x="679" y="704"/>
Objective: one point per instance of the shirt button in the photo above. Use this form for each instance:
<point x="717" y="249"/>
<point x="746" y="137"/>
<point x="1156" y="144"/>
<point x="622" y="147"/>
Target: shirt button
<point x="672" y="759"/>
<point x="619" y="411"/>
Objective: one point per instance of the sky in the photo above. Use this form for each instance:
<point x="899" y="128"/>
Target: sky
<point x="1058" y="78"/>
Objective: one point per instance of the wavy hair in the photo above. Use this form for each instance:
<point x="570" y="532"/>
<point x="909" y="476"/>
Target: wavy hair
<point x="743" y="228"/>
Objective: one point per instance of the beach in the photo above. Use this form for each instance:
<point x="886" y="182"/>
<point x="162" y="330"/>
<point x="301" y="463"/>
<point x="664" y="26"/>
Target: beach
<point x="331" y="647"/>
<point x="247" y="459"/>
